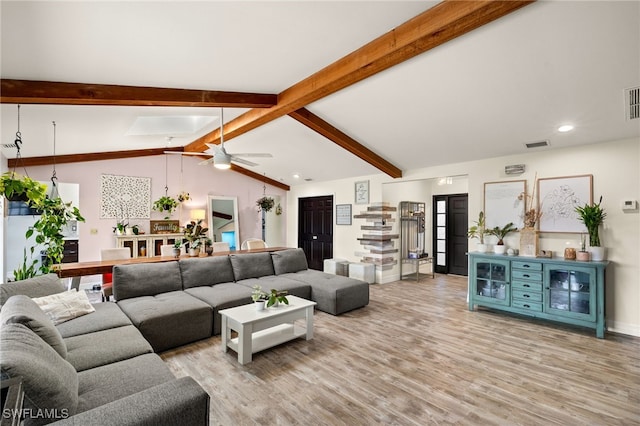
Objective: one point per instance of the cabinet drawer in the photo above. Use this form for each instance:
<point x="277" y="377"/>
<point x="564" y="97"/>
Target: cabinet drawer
<point x="526" y="275"/>
<point x="527" y="286"/>
<point x="531" y="296"/>
<point x="530" y="306"/>
<point x="529" y="266"/>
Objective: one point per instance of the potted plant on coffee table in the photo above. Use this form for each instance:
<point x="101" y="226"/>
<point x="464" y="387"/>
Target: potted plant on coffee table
<point x="259" y="297"/>
<point x="501" y="233"/>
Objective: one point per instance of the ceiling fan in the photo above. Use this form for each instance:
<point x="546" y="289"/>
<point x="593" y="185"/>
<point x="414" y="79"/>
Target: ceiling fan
<point x="220" y="158"/>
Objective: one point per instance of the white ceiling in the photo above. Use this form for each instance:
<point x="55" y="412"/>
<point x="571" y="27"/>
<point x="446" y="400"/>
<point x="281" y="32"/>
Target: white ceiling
<point x="482" y="95"/>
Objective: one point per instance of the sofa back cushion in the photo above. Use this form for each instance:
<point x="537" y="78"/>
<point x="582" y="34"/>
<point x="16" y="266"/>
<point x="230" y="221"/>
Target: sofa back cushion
<point x="289" y="261"/>
<point x="145" y="279"/>
<point x="41" y="285"/>
<point x="50" y="382"/>
<point x="199" y="272"/>
<point x="22" y="310"/>
<point x="251" y="265"/>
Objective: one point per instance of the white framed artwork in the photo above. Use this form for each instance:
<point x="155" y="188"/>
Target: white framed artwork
<point x="558" y="198"/>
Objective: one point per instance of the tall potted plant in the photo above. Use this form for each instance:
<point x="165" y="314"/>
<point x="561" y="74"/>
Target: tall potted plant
<point x="592" y="215"/>
<point x="479" y="231"/>
<point x="194" y="233"/>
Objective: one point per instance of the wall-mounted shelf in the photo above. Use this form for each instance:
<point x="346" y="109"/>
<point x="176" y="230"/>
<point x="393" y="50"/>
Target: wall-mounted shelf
<point x="378" y="235"/>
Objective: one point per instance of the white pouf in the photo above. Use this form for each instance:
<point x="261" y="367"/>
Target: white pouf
<point x="363" y="271"/>
<point x="336" y="266"/>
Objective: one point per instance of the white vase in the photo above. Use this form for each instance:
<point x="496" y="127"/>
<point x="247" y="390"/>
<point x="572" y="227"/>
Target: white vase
<point x="499" y="249"/>
<point x="482" y="248"/>
<point x="597" y="253"/>
<point x="193" y="252"/>
<point x="260" y="305"/>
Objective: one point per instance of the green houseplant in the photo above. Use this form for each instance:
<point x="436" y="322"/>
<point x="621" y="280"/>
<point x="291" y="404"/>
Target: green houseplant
<point x="479" y="231"/>
<point x="47" y="230"/>
<point x="593" y="215"/>
<point x="265" y="204"/>
<point x="501" y="233"/>
<point x="165" y="204"/>
<point x="194" y="232"/>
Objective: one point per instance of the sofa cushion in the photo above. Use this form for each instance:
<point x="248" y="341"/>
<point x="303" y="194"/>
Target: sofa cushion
<point x="50" y="382"/>
<point x="105" y="347"/>
<point x="169" y="319"/>
<point x="107" y="315"/>
<point x="207" y="271"/>
<point x="289" y="261"/>
<point x="22" y="310"/>
<point x="41" y="285"/>
<point x="251" y="265"/>
<point x="145" y="279"/>
<point x="65" y="306"/>
<point x="221" y="296"/>
<point x="107" y="383"/>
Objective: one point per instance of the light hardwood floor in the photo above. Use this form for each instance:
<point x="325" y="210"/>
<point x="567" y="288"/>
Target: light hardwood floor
<point x="417" y="356"/>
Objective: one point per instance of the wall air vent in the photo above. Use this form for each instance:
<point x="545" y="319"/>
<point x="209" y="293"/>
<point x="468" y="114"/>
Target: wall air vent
<point x="538" y="144"/>
<point x="632" y="103"/>
<point x="8" y="145"/>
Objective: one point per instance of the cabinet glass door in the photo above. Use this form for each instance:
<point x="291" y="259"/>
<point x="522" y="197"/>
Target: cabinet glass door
<point x="491" y="281"/>
<point x="571" y="292"/>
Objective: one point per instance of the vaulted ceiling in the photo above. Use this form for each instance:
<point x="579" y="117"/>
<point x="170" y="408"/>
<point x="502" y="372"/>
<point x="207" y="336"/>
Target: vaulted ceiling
<point x="326" y="87"/>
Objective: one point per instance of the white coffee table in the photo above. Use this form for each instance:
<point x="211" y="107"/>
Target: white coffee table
<point x="259" y="330"/>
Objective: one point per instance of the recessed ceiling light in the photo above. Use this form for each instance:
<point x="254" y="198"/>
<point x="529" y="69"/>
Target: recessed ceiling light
<point x="296" y="176"/>
<point x="565" y="128"/>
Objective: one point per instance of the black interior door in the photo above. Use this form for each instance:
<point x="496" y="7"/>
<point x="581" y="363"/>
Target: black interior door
<point x="450" y="217"/>
<point x="315" y="229"/>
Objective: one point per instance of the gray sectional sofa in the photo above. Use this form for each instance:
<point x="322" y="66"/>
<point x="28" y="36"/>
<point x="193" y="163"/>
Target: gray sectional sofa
<point x="96" y="369"/>
<point x="101" y="369"/>
<point x="174" y="303"/>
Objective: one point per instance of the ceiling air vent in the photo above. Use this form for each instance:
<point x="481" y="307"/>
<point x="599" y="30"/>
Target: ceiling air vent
<point x="632" y="103"/>
<point x="539" y="144"/>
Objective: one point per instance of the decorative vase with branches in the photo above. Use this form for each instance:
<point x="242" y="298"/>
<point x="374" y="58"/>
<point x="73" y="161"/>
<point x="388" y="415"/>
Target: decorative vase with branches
<point x="531" y="213"/>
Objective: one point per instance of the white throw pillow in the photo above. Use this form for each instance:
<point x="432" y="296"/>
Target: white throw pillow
<point x="65" y="306"/>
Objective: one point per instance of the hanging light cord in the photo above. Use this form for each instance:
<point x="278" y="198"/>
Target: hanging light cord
<point x="54" y="178"/>
<point x="166" y="171"/>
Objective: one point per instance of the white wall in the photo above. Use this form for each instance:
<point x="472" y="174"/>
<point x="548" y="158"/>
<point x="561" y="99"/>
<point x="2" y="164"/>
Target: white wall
<point x="614" y="165"/>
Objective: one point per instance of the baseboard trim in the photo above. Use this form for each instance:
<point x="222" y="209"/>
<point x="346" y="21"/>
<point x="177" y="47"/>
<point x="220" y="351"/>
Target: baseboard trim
<point x="623" y="328"/>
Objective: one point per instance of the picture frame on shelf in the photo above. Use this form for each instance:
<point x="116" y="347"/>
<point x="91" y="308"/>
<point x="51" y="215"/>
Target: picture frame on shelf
<point x="558" y="198"/>
<point x="362" y="192"/>
<point x="343" y="214"/>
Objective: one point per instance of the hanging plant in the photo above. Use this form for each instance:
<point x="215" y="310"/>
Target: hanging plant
<point x="22" y="188"/>
<point x="165" y="204"/>
<point x="265" y="204"/>
<point x="183" y="196"/>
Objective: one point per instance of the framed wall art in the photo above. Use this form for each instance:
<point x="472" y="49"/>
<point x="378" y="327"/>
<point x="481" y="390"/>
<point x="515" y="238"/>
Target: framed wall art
<point x="558" y="198"/>
<point x="362" y="192"/>
<point x="125" y="197"/>
<point x="503" y="203"/>
<point x="343" y="214"/>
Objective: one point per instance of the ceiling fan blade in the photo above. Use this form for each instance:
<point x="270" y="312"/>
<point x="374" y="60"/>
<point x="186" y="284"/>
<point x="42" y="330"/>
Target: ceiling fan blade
<point x="241" y="161"/>
<point x="199" y="154"/>
<point x="209" y="161"/>
<point x="254" y="154"/>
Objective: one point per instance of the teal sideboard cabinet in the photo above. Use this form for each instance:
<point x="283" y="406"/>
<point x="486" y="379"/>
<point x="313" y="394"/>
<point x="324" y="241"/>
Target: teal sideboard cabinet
<point x="554" y="289"/>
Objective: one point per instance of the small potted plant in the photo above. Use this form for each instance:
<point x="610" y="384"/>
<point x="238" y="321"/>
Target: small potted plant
<point x="592" y="215"/>
<point x="501" y="233"/>
<point x="165" y="204"/>
<point x="479" y="231"/>
<point x="120" y="228"/>
<point x="259" y="297"/>
<point x="177" y="248"/>
<point x="275" y="297"/>
<point x="208" y="246"/>
<point x="183" y="196"/>
<point x="583" y="254"/>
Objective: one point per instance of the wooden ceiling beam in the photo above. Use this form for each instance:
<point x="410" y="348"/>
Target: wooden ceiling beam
<point x="115" y="155"/>
<point x="432" y="28"/>
<point x="80" y="158"/>
<point x="50" y="92"/>
<point x="343" y="140"/>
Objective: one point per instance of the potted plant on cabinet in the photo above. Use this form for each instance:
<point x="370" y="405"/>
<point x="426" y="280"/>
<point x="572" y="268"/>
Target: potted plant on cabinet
<point x="501" y="233"/>
<point x="478" y="231"/>
<point x="583" y="254"/>
<point x="194" y="233"/>
<point x="592" y="215"/>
